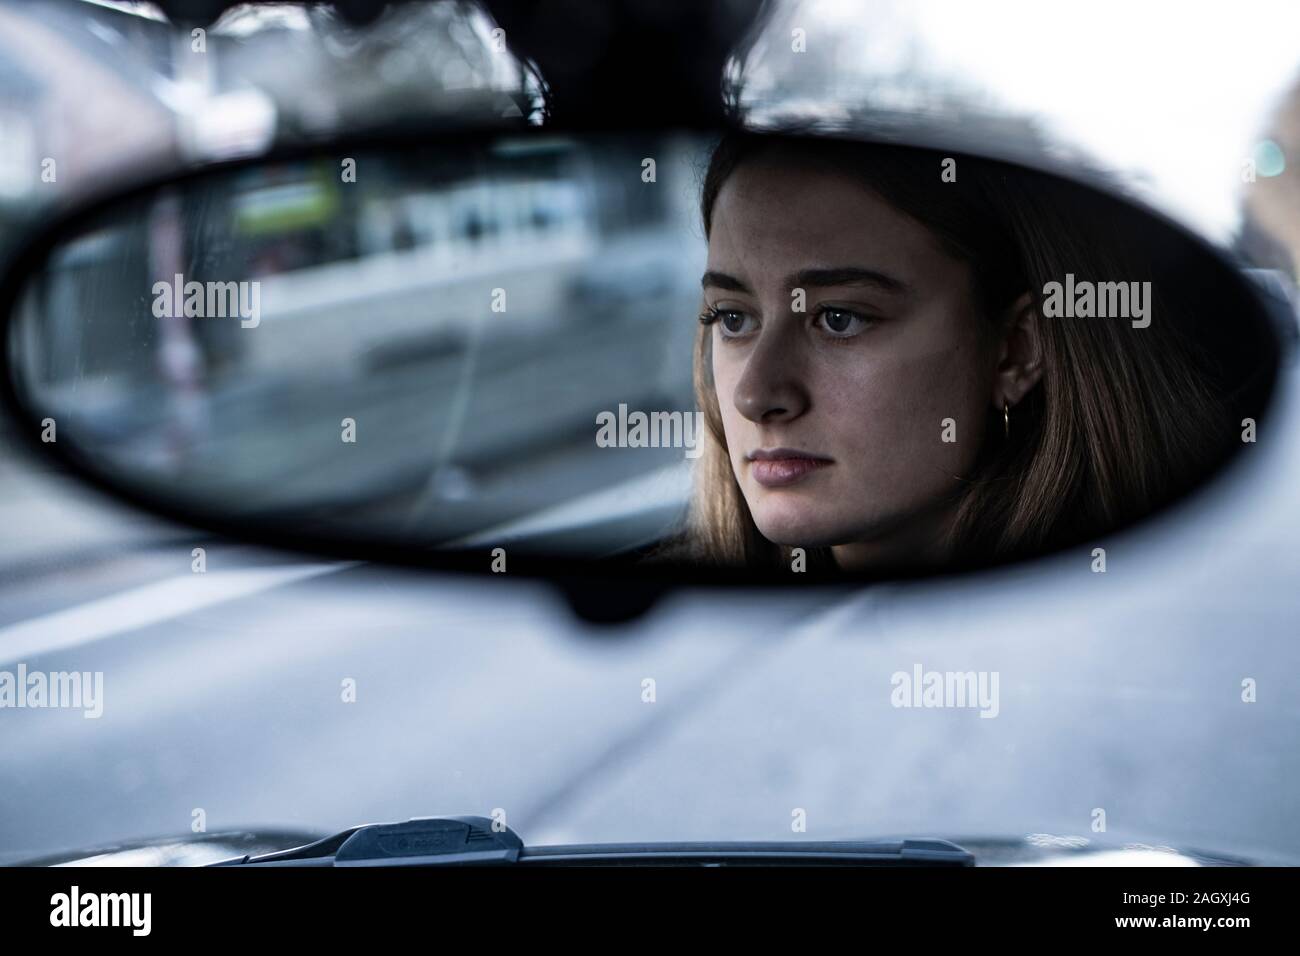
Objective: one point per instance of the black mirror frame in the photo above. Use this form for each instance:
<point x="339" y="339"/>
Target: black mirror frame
<point x="607" y="589"/>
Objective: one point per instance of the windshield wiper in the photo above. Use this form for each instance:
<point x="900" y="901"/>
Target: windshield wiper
<point x="452" y="841"/>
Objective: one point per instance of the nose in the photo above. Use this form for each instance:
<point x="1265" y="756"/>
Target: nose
<point x="771" y="388"/>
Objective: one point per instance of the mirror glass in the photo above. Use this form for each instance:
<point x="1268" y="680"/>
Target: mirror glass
<point x="903" y="359"/>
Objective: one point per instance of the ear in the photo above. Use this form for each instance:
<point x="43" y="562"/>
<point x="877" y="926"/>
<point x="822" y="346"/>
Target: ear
<point x="1019" y="353"/>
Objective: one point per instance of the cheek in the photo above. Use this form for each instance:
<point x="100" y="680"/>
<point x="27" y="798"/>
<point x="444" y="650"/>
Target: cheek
<point x="726" y="373"/>
<point x="888" y="413"/>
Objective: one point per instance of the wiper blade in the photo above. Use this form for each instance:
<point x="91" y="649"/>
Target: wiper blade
<point x="423" y="841"/>
<point x="457" y="841"/>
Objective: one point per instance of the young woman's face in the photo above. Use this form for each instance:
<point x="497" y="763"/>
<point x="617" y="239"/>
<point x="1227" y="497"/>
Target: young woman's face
<point x="835" y="415"/>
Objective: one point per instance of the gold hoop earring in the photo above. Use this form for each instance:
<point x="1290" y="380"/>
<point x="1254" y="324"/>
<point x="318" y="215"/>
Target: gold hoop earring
<point x="1006" y="420"/>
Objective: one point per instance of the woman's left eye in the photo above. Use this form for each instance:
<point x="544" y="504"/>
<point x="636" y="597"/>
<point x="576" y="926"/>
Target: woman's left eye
<point x="841" y="322"/>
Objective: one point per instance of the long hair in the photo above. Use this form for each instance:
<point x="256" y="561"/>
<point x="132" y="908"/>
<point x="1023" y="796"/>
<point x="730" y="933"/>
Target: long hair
<point x="1123" y="419"/>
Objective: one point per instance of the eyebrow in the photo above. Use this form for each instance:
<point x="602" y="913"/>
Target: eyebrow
<point x="720" y="280"/>
<point x="848" y="275"/>
<point x="818" y="278"/>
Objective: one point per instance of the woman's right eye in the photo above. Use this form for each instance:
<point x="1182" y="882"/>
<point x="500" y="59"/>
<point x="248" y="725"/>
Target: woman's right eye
<point x="732" y="322"/>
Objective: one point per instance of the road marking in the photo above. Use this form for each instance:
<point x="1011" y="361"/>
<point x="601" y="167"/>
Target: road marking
<point x="665" y="487"/>
<point x="149" y="604"/>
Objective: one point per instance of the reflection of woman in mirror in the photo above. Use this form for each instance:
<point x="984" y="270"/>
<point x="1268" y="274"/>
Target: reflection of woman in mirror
<point x="880" y="386"/>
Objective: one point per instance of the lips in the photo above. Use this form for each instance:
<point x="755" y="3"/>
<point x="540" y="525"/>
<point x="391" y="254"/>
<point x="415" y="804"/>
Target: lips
<point x="774" y="468"/>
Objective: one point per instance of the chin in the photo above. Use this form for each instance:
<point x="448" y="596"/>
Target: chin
<point x="796" y="528"/>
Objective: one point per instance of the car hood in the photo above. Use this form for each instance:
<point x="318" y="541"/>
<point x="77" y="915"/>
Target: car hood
<point x="1035" y="849"/>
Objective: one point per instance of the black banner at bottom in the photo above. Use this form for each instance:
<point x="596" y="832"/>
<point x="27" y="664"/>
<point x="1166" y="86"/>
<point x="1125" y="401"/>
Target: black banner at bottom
<point x="330" y="905"/>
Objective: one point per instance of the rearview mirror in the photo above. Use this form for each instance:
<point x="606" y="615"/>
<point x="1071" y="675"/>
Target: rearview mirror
<point x="496" y="351"/>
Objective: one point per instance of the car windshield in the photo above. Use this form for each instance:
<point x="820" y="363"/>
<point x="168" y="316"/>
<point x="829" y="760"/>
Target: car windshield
<point x="566" y="344"/>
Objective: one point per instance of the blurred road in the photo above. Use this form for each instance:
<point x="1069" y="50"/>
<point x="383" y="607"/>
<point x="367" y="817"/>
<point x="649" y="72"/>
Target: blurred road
<point x="1119" y="691"/>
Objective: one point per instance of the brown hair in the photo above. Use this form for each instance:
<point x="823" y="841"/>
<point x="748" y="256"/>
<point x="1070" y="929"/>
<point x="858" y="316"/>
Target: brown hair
<point x="1124" y="419"/>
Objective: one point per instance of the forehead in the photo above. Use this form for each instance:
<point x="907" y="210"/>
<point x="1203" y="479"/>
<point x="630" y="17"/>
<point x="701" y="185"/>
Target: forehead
<point x="783" y="215"/>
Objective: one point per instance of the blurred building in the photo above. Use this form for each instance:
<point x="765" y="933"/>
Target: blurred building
<point x="1270" y="234"/>
<point x="78" y="104"/>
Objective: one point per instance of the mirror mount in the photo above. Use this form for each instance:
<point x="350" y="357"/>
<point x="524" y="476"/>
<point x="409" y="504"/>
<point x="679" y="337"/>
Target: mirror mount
<point x="609" y="604"/>
<point x="658" y="63"/>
